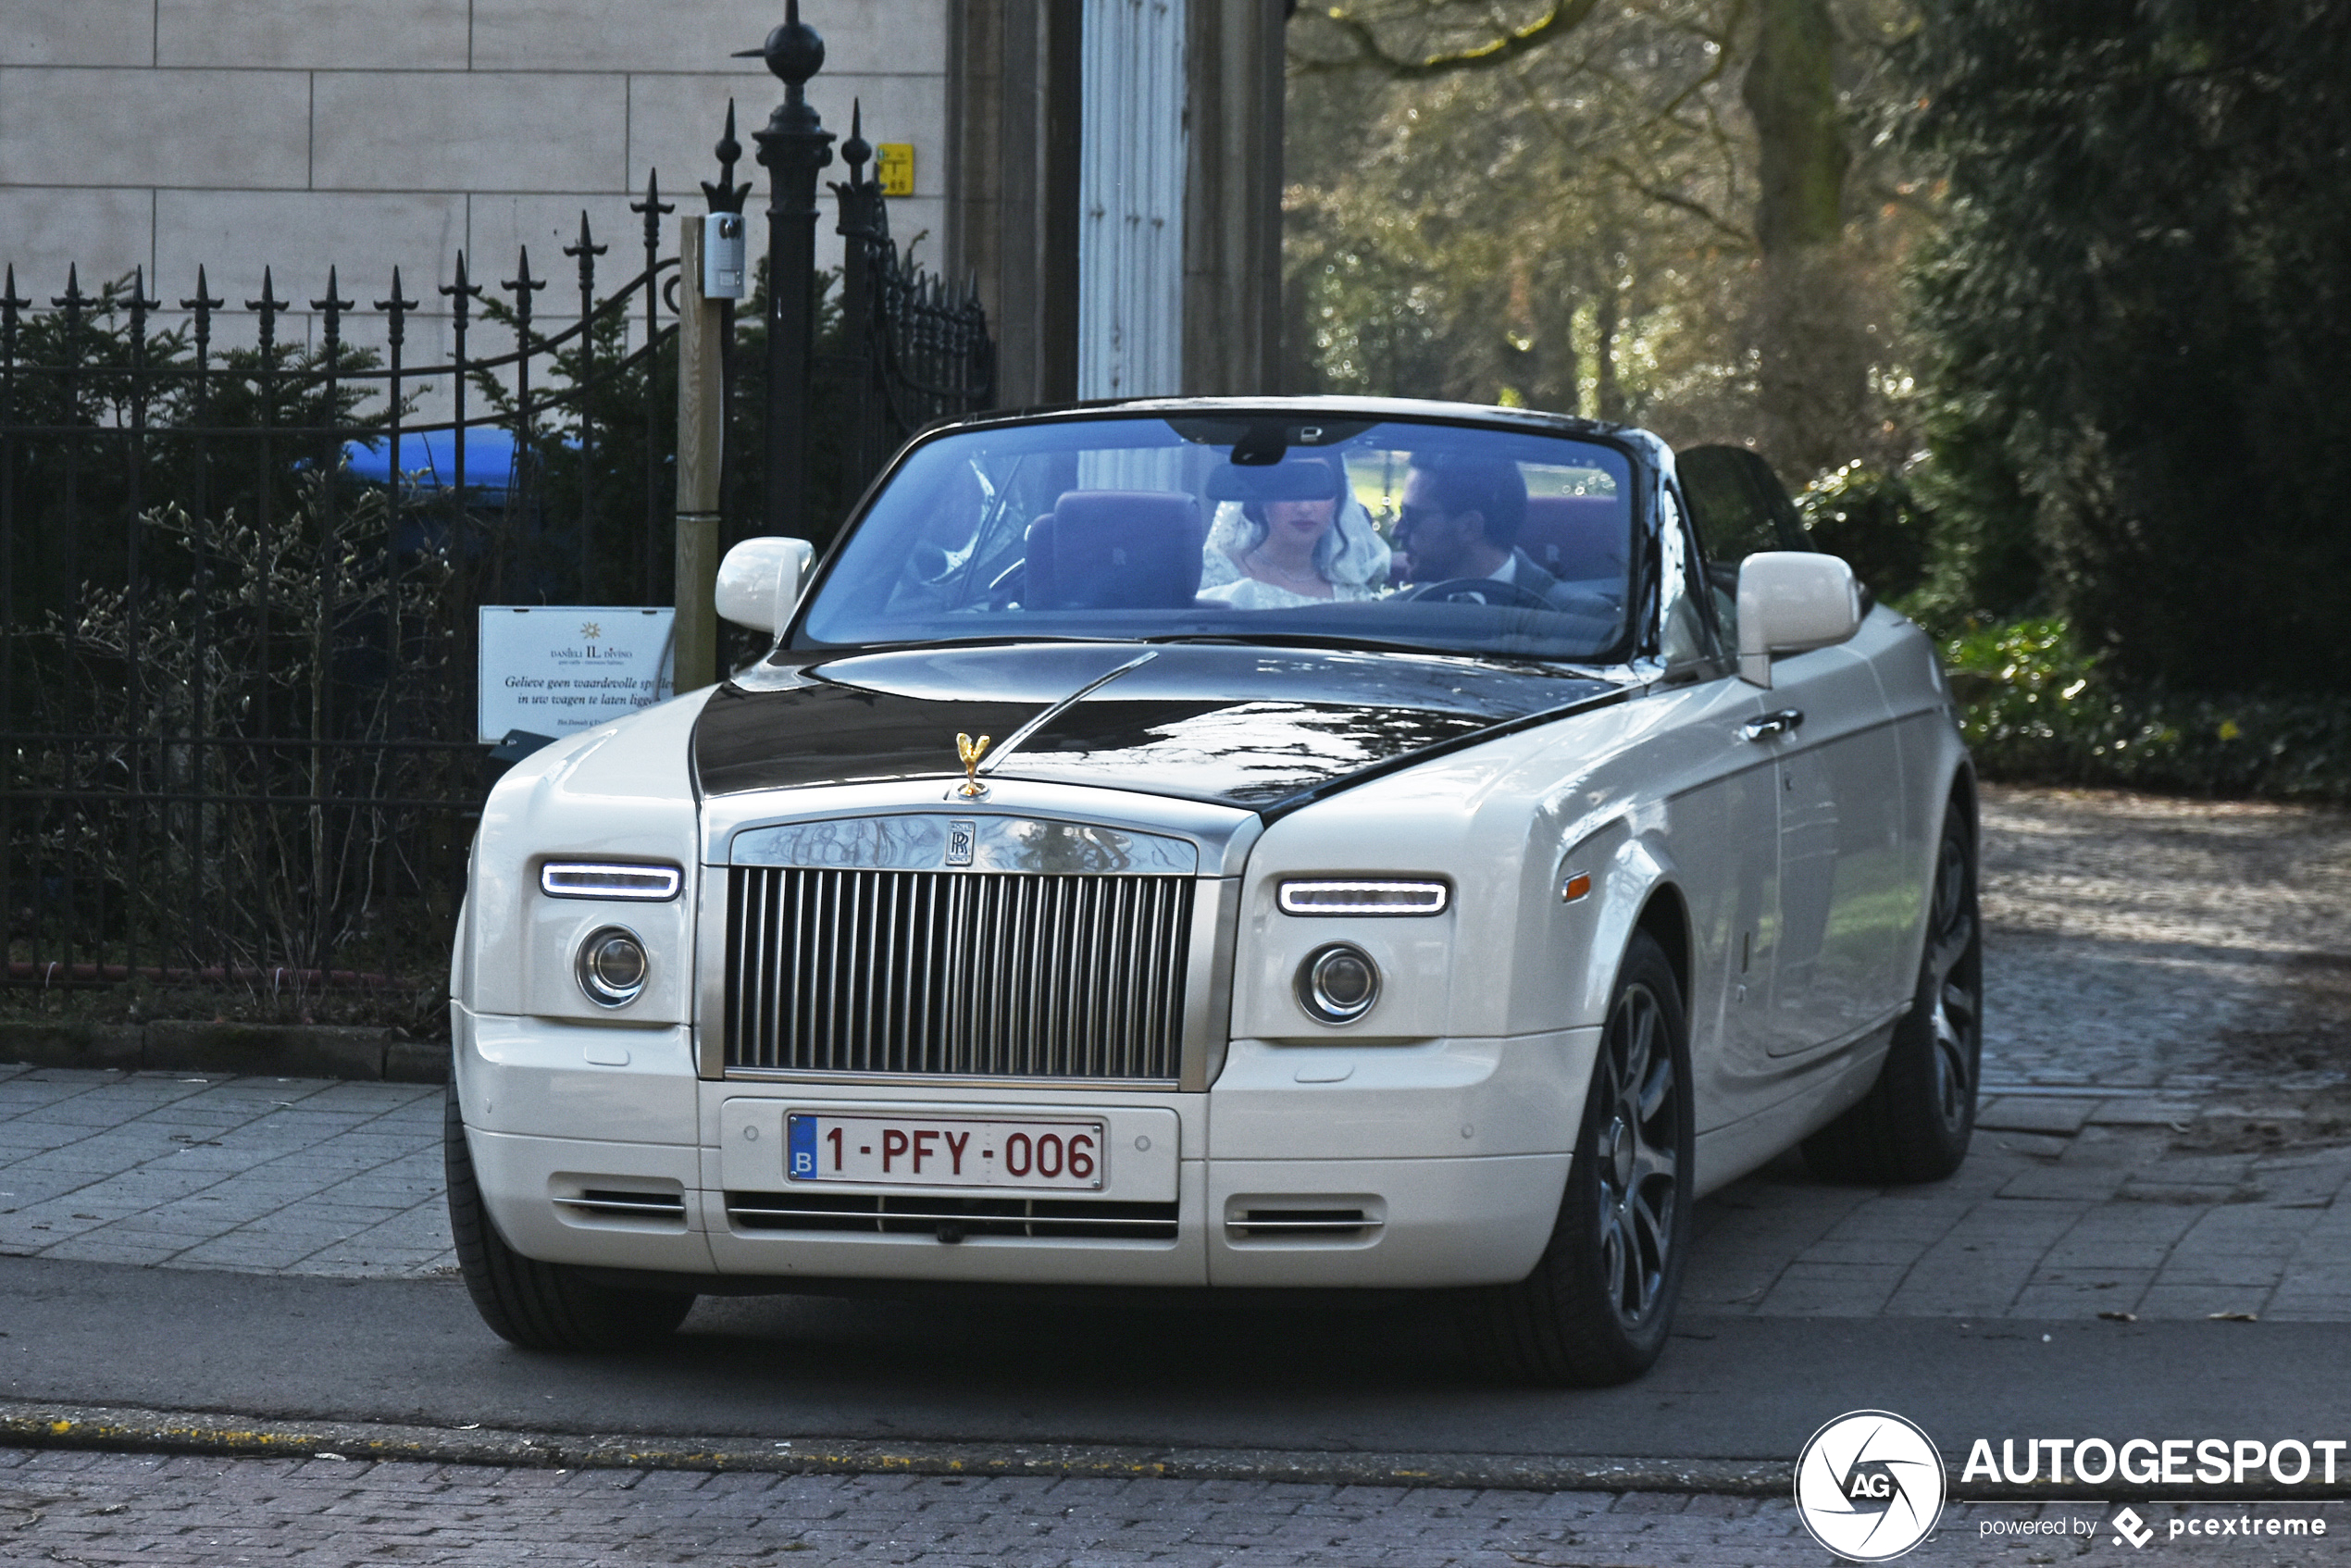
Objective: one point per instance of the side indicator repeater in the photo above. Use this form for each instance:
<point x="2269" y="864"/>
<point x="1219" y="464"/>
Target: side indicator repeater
<point x="1575" y="886"/>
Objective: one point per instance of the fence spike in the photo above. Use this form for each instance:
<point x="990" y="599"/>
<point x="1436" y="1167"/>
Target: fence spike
<point x="268" y="302"/>
<point x="10" y="306"/>
<point x="653" y="206"/>
<point x="72" y="299"/>
<point x="585" y="251"/>
<point x="856" y="150"/>
<point x="203" y="304"/>
<point x="727" y="196"/>
<point x="524" y="285"/>
<point x="585" y="246"/>
<point x="728" y="149"/>
<point x="396" y="308"/>
<point x="269" y="305"/>
<point x="331" y="304"/>
<point x="461" y="291"/>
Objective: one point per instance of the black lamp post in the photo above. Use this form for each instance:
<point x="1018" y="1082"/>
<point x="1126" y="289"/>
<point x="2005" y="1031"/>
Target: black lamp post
<point x="795" y="146"/>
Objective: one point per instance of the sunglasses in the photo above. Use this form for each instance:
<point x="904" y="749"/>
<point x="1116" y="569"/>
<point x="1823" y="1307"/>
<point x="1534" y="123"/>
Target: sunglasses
<point x="1410" y="516"/>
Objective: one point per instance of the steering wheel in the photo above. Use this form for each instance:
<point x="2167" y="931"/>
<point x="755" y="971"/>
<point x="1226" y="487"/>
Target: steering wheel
<point x="1479" y="591"/>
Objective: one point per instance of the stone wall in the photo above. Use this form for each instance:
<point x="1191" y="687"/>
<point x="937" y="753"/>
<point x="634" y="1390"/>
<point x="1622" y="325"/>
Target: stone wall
<point x="301" y="133"/>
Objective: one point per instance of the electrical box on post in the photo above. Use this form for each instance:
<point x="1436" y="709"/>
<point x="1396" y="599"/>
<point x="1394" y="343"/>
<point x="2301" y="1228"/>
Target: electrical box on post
<point x="722" y="256"/>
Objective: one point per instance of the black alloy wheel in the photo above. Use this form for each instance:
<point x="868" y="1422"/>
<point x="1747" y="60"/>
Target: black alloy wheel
<point x="541" y="1306"/>
<point x="1916" y="1121"/>
<point x="1598" y="1304"/>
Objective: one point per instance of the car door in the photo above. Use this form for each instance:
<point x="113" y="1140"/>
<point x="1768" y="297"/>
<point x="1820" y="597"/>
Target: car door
<point x="1842" y="873"/>
<point x="1838" y="769"/>
<point x="1724" y="816"/>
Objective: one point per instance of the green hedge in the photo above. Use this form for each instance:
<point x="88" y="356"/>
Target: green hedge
<point x="2038" y="710"/>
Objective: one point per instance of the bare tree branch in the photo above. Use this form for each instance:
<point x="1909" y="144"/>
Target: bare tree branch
<point x="1564" y="17"/>
<point x="1658" y="193"/>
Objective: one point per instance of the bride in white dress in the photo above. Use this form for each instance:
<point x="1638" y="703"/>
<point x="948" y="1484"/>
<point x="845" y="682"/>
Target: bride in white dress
<point x="1275" y="555"/>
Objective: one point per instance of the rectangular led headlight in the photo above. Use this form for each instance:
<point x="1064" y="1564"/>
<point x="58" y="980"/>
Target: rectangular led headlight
<point x="594" y="879"/>
<point x="1365" y="897"/>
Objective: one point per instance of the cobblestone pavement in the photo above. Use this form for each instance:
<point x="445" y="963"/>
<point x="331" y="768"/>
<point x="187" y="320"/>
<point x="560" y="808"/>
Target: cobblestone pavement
<point x="2141" y="942"/>
<point x="2167" y="1131"/>
<point x="204" y="1512"/>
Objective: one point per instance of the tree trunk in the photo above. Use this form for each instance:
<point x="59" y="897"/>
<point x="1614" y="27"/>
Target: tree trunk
<point x="1814" y="362"/>
<point x="1608" y="395"/>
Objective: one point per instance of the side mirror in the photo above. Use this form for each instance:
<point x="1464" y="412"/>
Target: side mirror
<point x="759" y="582"/>
<point x="1791" y="602"/>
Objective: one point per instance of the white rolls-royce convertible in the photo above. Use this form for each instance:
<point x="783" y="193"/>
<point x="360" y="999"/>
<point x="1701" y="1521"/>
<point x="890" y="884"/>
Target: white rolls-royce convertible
<point x="1228" y="845"/>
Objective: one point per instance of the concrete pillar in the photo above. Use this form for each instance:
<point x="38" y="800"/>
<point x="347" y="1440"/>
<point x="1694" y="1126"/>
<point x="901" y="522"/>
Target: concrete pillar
<point x="1132" y="176"/>
<point x="1195" y="82"/>
<point x="1233" y="198"/>
<point x="1012" y="159"/>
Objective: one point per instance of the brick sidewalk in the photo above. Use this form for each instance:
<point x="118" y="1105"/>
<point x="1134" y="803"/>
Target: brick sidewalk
<point x="263" y="1174"/>
<point x="2067" y="1207"/>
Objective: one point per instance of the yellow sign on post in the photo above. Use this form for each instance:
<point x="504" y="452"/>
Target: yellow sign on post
<point x="895" y="168"/>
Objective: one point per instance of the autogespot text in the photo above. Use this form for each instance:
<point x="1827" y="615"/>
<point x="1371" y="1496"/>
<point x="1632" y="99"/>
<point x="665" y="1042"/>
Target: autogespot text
<point x="2151" y="1462"/>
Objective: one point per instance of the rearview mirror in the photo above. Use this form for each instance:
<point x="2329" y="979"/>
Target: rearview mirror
<point x="1791" y="602"/>
<point x="759" y="582"/>
<point x="1277" y="482"/>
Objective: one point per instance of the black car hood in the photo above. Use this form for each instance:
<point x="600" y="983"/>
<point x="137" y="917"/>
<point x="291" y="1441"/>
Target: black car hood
<point x="1247" y="726"/>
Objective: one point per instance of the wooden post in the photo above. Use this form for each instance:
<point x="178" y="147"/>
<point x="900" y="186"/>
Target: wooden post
<point x="701" y="431"/>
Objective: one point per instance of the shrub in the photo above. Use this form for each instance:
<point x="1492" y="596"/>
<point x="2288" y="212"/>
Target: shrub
<point x="1872" y="519"/>
<point x="2037" y="709"/>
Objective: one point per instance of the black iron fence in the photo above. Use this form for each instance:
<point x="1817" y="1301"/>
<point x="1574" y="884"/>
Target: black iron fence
<point x="237" y="586"/>
<point x="238" y="581"/>
<point x="914" y="351"/>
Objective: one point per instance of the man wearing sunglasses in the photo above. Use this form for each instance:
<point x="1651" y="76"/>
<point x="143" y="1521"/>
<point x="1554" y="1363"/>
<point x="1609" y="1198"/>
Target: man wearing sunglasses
<point x="1458" y="521"/>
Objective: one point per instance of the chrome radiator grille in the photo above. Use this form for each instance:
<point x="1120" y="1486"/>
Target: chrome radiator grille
<point x="979" y="974"/>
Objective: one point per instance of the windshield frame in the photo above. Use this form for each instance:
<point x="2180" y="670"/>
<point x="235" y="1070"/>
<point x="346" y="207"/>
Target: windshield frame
<point x="1632" y="655"/>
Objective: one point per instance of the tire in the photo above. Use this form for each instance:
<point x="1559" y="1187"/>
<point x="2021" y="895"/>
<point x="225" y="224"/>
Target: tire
<point x="1915" y="1122"/>
<point x="1599" y="1303"/>
<point x="541" y="1306"/>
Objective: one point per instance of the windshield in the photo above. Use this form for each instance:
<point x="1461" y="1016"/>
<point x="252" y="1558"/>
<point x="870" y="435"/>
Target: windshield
<point x="1399" y="533"/>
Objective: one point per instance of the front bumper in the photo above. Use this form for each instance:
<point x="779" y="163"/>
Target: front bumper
<point x="1437" y="1163"/>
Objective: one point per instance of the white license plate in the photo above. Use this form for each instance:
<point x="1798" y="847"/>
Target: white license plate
<point x="943" y="1152"/>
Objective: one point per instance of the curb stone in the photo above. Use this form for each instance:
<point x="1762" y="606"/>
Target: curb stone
<point x="119" y="1430"/>
<point x="133" y="1430"/>
<point x="287" y="1050"/>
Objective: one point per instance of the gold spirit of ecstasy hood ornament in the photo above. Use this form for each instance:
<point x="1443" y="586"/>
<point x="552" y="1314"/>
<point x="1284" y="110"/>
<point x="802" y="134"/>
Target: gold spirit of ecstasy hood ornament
<point x="971" y="750"/>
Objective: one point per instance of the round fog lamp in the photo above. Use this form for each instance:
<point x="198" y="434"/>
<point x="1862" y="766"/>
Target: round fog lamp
<point x="1338" y="984"/>
<point x="613" y="966"/>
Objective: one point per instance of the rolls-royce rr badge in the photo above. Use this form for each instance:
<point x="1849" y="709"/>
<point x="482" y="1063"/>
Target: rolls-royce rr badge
<point x="971" y="750"/>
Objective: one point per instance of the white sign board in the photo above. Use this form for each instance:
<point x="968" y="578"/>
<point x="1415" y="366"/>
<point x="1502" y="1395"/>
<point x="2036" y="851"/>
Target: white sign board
<point x="555" y="669"/>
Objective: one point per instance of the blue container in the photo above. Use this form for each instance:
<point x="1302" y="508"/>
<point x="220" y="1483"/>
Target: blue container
<point x="428" y="459"/>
